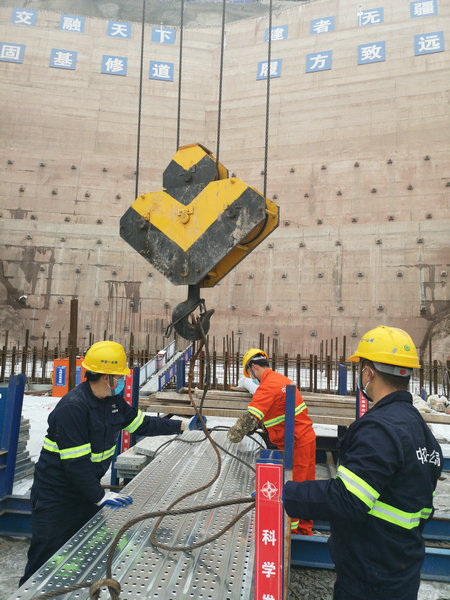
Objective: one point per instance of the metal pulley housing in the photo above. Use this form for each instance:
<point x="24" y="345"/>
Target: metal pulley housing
<point x="201" y="224"/>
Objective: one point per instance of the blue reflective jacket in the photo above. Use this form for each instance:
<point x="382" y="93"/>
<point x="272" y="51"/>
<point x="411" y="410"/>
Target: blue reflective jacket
<point x="389" y="465"/>
<point x="80" y="442"/>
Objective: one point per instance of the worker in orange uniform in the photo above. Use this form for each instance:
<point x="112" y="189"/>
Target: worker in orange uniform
<point x="268" y="407"/>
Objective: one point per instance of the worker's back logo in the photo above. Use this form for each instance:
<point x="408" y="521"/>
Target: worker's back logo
<point x="269" y="490"/>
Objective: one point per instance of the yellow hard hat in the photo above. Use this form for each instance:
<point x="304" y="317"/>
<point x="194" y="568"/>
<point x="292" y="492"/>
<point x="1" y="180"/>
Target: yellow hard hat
<point x="106" y="357"/>
<point x="389" y="346"/>
<point x="249" y="355"/>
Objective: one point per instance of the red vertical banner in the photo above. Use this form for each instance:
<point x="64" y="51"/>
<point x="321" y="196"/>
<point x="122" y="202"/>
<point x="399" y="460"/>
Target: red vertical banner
<point x="269" y="532"/>
<point x="127" y="395"/>
<point x="361" y="404"/>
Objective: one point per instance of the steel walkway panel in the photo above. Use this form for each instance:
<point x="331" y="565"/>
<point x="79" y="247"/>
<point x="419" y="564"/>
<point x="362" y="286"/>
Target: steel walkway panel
<point x="221" y="569"/>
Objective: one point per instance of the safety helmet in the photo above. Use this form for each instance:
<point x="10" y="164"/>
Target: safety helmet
<point x="251" y="354"/>
<point x="390" y="349"/>
<point x="106" y="357"/>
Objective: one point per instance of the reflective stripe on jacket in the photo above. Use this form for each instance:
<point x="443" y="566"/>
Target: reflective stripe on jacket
<point x="268" y="405"/>
<point x="389" y="465"/>
<point x="80" y="443"/>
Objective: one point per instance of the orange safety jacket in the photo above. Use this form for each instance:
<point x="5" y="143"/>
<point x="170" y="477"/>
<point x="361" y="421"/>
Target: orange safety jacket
<point x="269" y="403"/>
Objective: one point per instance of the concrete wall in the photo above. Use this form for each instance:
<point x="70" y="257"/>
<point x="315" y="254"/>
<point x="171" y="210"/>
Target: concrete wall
<point x="344" y="259"/>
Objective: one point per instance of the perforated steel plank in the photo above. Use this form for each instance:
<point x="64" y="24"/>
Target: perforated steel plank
<point x="222" y="569"/>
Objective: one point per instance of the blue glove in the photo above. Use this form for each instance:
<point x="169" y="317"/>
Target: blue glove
<point x="253" y="494"/>
<point x="195" y="423"/>
<point x="114" y="499"/>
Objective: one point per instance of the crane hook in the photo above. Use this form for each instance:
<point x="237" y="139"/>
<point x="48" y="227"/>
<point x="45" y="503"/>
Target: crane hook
<point x="180" y="316"/>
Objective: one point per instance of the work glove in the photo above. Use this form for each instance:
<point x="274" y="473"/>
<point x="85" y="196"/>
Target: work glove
<point x="250" y="385"/>
<point x="195" y="423"/>
<point x="114" y="499"/>
<point x="246" y="422"/>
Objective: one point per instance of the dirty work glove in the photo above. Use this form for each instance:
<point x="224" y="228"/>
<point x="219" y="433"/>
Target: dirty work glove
<point x="114" y="499"/>
<point x="246" y="422"/>
<point x="195" y="423"/>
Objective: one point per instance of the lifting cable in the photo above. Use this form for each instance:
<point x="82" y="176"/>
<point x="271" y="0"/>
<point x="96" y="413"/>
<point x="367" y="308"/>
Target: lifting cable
<point x="219" y="105"/>
<point x="180" y="65"/>
<point x="112" y="584"/>
<point x="138" y="149"/>
<point x="266" y="138"/>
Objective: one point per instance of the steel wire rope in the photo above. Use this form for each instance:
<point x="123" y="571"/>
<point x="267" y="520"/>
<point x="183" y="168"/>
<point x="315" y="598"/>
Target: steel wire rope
<point x="112" y="584"/>
<point x="180" y="64"/>
<point x="203" y="343"/>
<point x="138" y="148"/>
<point x="218" y="428"/>
<point x="266" y="138"/>
<point x="269" y="57"/>
<point x="219" y="104"/>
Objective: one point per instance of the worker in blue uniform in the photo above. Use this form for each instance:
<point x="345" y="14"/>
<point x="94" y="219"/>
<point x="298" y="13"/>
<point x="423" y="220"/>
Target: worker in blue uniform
<point x="389" y="465"/>
<point x="83" y="430"/>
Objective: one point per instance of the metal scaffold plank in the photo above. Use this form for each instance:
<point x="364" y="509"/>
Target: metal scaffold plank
<point x="220" y="569"/>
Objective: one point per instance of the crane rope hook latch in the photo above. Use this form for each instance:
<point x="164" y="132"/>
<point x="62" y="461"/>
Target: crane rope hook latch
<point x="197" y="228"/>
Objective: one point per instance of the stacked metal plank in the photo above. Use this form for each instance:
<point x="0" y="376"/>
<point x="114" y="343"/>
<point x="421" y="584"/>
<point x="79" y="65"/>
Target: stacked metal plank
<point x="221" y="569"/>
<point x="24" y="464"/>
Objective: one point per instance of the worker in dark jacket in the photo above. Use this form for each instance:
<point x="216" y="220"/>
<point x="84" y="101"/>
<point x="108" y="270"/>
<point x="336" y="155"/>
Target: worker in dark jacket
<point x="389" y="465"/>
<point x="82" y="434"/>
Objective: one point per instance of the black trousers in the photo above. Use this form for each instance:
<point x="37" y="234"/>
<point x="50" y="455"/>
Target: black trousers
<point x="51" y="528"/>
<point x="409" y="592"/>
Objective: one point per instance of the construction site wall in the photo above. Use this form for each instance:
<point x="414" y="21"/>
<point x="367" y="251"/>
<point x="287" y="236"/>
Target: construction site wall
<point x="358" y="161"/>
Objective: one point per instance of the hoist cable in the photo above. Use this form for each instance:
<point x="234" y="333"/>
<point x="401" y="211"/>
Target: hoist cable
<point x="138" y="149"/>
<point x="180" y="64"/>
<point x="269" y="55"/>
<point x="219" y="106"/>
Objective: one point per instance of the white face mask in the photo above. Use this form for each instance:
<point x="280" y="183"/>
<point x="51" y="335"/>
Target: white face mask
<point x="360" y="385"/>
<point x="255" y="381"/>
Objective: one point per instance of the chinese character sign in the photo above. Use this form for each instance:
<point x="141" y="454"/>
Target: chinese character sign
<point x="63" y="59"/>
<point x="423" y="8"/>
<point x="269" y="532"/>
<point x="114" y="65"/>
<point x="370" y="17"/>
<point x="119" y="29"/>
<point x="275" y="69"/>
<point x="427" y="43"/>
<point x="370" y="53"/>
<point x="128" y="398"/>
<point x="163" y="35"/>
<point x="322" y="25"/>
<point x="318" y="61"/>
<point x="280" y="32"/>
<point x="71" y="23"/>
<point x="161" y="70"/>
<point x="23" y="16"/>
<point x="11" y="52"/>
<point x="60" y="376"/>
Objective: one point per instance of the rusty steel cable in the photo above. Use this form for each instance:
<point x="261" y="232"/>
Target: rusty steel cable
<point x="112" y="584"/>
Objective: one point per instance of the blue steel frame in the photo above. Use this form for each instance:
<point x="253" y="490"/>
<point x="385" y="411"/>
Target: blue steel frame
<point x="312" y="551"/>
<point x="15" y="511"/>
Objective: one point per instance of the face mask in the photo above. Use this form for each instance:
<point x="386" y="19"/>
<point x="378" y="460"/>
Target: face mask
<point x="119" y="387"/>
<point x="255" y="381"/>
<point x="363" y="389"/>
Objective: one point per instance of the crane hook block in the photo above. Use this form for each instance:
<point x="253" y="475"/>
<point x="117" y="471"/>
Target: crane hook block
<point x="201" y="224"/>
